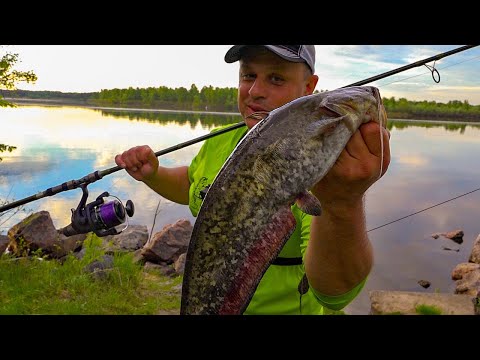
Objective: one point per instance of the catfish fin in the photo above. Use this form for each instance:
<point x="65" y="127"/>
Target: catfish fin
<point x="342" y="111"/>
<point x="324" y="125"/>
<point x="309" y="204"/>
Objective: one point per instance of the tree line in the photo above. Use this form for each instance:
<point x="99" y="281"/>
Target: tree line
<point x="206" y="99"/>
<point x="211" y="98"/>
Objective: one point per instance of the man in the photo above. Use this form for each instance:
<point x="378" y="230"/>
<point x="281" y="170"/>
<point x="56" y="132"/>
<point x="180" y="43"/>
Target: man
<point x="332" y="250"/>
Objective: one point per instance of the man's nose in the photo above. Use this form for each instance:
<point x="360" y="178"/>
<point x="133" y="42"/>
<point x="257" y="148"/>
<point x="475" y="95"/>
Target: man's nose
<point x="258" y="89"/>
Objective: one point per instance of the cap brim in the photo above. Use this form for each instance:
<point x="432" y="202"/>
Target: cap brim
<point x="233" y="54"/>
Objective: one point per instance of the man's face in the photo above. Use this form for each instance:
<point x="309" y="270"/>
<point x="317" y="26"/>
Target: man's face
<point x="266" y="81"/>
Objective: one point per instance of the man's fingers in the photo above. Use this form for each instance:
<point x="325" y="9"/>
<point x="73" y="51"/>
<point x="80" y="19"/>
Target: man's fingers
<point x="373" y="138"/>
<point x="131" y="160"/>
<point x="356" y="146"/>
<point x="377" y="140"/>
<point x="119" y="161"/>
<point x="147" y="155"/>
<point x="134" y="158"/>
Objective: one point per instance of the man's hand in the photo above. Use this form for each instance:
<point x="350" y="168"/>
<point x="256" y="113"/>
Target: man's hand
<point x="360" y="164"/>
<point x="140" y="162"/>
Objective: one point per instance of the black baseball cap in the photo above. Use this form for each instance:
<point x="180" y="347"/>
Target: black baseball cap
<point x="294" y="53"/>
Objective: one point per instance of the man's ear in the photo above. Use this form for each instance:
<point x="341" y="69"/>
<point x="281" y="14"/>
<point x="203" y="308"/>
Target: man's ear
<point x="311" y="84"/>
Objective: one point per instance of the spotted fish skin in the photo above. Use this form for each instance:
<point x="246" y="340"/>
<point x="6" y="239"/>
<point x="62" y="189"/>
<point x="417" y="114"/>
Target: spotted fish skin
<point x="245" y="218"/>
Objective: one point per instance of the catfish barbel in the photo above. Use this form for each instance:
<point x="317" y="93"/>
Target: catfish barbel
<point x="245" y="218"/>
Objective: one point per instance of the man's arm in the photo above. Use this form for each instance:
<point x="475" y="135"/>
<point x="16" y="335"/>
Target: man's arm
<point x="339" y="254"/>
<point x="172" y="184"/>
<point x="142" y="164"/>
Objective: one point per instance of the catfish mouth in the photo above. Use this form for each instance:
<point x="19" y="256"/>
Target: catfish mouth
<point x="258" y="115"/>
<point x="382" y="113"/>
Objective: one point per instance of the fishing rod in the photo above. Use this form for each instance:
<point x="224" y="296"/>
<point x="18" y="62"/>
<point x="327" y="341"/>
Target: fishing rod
<point x="415" y="64"/>
<point x="99" y="216"/>
<point x="99" y="174"/>
<point x="102" y="217"/>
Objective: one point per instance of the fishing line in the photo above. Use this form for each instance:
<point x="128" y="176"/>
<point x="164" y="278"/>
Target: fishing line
<point x="157" y="211"/>
<point x="14" y="213"/>
<point x="381" y="149"/>
<point x="422" y="74"/>
<point x="428" y="208"/>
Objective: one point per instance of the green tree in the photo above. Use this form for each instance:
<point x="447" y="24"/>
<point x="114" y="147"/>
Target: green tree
<point x="9" y="76"/>
<point x="8" y="79"/>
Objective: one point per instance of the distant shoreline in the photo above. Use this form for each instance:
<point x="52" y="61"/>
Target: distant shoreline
<point x="57" y="102"/>
<point x="62" y="102"/>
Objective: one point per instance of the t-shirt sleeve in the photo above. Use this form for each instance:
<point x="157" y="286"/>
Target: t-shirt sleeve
<point x="198" y="160"/>
<point x="340" y="301"/>
<point x="195" y="161"/>
<point x="196" y="167"/>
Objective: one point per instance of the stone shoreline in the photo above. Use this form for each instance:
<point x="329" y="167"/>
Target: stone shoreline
<point x="465" y="300"/>
<point x="166" y="251"/>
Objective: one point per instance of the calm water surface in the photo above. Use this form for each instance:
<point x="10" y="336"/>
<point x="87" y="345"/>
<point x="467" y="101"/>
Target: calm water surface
<point x="431" y="163"/>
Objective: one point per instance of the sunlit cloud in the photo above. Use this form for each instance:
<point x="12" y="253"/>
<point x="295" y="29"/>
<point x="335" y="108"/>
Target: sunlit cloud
<point x="454" y="88"/>
<point x="411" y="160"/>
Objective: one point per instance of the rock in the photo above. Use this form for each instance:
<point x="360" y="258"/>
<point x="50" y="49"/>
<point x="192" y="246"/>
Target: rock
<point x="462" y="269"/>
<point x="455" y="235"/>
<point x="180" y="264"/>
<point x="424" y="283"/>
<point x="469" y="284"/>
<point x="475" y="254"/>
<point x="32" y="233"/>
<point x="408" y="303"/>
<point x="4" y="240"/>
<point x="64" y="245"/>
<point x="467" y="275"/>
<point x="134" y="237"/>
<point x="164" y="269"/>
<point x="100" y="267"/>
<point x="168" y="244"/>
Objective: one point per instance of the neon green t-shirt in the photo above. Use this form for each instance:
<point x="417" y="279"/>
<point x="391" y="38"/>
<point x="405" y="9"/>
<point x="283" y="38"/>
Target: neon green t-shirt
<point x="277" y="292"/>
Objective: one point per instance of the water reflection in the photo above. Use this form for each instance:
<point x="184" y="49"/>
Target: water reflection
<point x="57" y="144"/>
<point x="207" y="120"/>
<point x="404" y="124"/>
<point x="431" y="163"/>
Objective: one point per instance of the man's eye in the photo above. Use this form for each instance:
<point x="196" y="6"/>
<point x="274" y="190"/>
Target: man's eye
<point x="276" y="79"/>
<point x="248" y="76"/>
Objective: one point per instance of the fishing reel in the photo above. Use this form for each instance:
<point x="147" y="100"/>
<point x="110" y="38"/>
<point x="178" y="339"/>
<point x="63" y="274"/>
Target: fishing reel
<point x="98" y="216"/>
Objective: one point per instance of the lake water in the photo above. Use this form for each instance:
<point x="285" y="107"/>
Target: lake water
<point x="431" y="164"/>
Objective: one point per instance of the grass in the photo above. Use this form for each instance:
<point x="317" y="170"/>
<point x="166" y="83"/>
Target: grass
<point x="424" y="309"/>
<point x="34" y="285"/>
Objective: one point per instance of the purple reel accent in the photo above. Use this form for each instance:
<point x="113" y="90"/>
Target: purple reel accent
<point x="112" y="214"/>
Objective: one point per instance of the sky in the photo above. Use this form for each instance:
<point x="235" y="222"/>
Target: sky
<point x="91" y="68"/>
